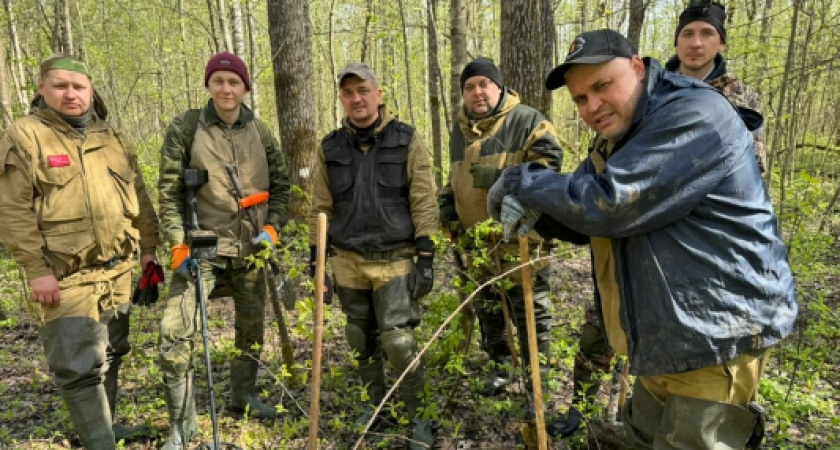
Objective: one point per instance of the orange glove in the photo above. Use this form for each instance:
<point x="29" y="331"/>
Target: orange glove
<point x="180" y="255"/>
<point x="269" y="234"/>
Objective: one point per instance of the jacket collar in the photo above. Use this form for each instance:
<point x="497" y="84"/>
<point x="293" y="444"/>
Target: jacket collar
<point x="210" y="117"/>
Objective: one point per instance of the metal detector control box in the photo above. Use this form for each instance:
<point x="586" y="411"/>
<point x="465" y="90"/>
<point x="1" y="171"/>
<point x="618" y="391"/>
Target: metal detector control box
<point x="203" y="244"/>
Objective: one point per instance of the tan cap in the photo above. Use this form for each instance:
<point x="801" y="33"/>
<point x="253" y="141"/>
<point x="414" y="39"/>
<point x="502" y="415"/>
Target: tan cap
<point x="358" y="69"/>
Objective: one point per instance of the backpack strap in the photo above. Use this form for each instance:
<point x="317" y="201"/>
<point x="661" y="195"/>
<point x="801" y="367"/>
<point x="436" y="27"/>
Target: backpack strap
<point x="190" y="126"/>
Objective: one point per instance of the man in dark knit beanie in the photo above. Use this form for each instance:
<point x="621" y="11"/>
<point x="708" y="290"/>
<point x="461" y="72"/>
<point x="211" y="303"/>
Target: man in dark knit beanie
<point x="494" y="130"/>
<point x="707" y="11"/>
<point x="482" y="66"/>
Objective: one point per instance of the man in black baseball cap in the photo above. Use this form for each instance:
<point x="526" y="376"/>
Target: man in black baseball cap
<point x="673" y="204"/>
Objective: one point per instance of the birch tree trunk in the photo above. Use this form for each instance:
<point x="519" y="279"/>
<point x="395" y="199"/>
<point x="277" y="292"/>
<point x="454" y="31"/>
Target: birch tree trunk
<point x="224" y="26"/>
<point x="186" y="66"/>
<point x="253" y="50"/>
<point x="238" y="35"/>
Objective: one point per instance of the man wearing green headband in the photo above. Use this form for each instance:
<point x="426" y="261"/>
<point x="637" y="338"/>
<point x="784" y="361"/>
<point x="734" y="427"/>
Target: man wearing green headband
<point x="75" y="215"/>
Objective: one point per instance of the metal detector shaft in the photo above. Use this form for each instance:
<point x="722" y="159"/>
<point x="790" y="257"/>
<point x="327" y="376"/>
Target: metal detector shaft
<point x="202" y="305"/>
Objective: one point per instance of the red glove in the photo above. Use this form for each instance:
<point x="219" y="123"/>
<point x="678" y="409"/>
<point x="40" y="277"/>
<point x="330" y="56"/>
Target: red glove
<point x="146" y="292"/>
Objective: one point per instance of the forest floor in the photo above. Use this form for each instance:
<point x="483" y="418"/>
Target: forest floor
<point x="32" y="415"/>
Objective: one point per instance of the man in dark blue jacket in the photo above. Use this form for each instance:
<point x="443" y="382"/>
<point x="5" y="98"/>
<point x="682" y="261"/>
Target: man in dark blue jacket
<point x="692" y="277"/>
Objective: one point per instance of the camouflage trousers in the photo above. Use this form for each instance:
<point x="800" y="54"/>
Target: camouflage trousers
<point x="179" y="325"/>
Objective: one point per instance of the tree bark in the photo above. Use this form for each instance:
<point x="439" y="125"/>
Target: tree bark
<point x="406" y="61"/>
<point x="336" y="107"/>
<point x="5" y="104"/>
<point x="635" y="21"/>
<point x="522" y="50"/>
<point x="366" y="32"/>
<point x="224" y="26"/>
<point x="290" y="36"/>
<point x="238" y="35"/>
<point x="186" y="66"/>
<point x="253" y="50"/>
<point x="214" y="37"/>
<point x="458" y="56"/>
<point x="549" y="42"/>
<point x="783" y="122"/>
<point x="434" y="90"/>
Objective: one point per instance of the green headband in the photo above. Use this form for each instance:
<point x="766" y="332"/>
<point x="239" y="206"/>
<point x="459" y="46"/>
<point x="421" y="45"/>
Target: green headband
<point x="69" y="63"/>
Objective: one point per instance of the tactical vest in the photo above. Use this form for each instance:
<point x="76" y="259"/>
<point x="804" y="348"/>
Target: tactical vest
<point x="371" y="210"/>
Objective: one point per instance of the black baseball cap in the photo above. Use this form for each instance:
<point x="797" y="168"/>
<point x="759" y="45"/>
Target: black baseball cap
<point x="591" y="47"/>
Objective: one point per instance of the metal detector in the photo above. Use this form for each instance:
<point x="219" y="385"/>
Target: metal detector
<point x="203" y="245"/>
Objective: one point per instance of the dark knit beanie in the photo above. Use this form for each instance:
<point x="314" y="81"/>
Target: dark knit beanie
<point x="230" y="62"/>
<point x="707" y="11"/>
<point x="482" y="66"/>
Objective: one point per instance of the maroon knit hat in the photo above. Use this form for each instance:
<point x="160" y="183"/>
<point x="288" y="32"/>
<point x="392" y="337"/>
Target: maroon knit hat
<point x="227" y="61"/>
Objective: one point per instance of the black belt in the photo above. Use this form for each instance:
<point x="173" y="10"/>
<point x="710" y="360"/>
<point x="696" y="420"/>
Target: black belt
<point x="387" y="255"/>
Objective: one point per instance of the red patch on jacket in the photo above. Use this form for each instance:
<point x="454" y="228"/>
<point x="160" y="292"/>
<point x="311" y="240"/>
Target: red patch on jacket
<point x="59" y="160"/>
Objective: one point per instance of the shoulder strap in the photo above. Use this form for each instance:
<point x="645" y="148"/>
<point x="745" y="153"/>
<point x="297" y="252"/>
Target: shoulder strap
<point x="265" y="133"/>
<point x="190" y="125"/>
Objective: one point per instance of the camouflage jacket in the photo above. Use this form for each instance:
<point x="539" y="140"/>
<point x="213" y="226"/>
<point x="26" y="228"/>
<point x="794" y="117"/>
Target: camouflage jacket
<point x="741" y="96"/>
<point x="515" y="133"/>
<point x="260" y="165"/>
<point x="71" y="201"/>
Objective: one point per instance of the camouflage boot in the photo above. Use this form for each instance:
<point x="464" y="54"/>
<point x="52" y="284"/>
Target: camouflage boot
<point x="499" y="376"/>
<point x="243" y="384"/>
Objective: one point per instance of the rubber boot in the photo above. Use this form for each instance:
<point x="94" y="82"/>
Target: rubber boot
<point x="413" y="397"/>
<point x="372" y="372"/>
<point x="91" y="417"/>
<point x="581" y="376"/>
<point x="243" y="384"/>
<point x="499" y="376"/>
<point x="121" y="432"/>
<point x="181" y="404"/>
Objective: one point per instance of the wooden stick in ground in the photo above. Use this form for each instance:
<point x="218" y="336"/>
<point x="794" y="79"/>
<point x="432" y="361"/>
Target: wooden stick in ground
<point x="531" y="325"/>
<point x="315" y="399"/>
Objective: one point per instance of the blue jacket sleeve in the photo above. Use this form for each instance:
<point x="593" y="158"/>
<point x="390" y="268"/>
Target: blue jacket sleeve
<point x="674" y="158"/>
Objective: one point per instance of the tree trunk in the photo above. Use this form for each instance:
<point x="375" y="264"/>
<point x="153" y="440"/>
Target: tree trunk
<point x="186" y="66"/>
<point x="5" y="104"/>
<point x="783" y="122"/>
<point x="522" y="50"/>
<point x="336" y="107"/>
<point x="15" y="61"/>
<point x="238" y="35"/>
<point x="214" y="37"/>
<point x="224" y="26"/>
<point x="253" y="50"/>
<point x="290" y="36"/>
<point x="635" y="21"/>
<point x="549" y="55"/>
<point x="81" y="50"/>
<point x="406" y="61"/>
<point x="458" y="57"/>
<point x="365" y="33"/>
<point x="434" y="90"/>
